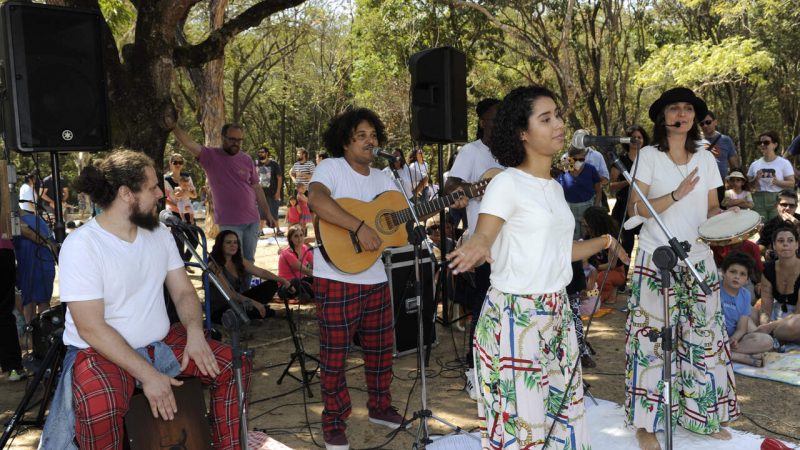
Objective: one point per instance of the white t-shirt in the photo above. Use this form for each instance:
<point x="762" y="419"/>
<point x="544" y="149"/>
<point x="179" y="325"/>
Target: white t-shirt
<point x="127" y="276"/>
<point x="533" y="252"/>
<point x="779" y="169"/>
<point x="683" y="218"/>
<point x="26" y="192"/>
<point x="418" y="172"/>
<point x="473" y="160"/>
<point x="344" y="182"/>
<point x="405" y="179"/>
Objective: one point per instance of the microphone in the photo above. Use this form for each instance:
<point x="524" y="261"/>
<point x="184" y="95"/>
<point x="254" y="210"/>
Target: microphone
<point x="582" y="139"/>
<point x="378" y="151"/>
<point x="166" y="217"/>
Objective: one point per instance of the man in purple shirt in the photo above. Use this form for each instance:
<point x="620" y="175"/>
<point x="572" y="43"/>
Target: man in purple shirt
<point x="239" y="201"/>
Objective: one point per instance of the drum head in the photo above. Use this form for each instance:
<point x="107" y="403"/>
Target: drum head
<point x="729" y="224"/>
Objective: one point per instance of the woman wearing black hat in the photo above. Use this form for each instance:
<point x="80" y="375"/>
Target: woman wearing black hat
<point x="681" y="183"/>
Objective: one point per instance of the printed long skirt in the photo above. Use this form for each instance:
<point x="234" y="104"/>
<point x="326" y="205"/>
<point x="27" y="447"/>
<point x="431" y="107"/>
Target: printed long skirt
<point x="703" y="386"/>
<point x="525" y="353"/>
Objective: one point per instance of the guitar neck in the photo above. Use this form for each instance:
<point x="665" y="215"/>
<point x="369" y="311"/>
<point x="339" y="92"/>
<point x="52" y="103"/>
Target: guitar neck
<point x="424" y="209"/>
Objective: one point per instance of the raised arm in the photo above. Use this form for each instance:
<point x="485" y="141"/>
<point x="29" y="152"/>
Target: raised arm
<point x="187" y="141"/>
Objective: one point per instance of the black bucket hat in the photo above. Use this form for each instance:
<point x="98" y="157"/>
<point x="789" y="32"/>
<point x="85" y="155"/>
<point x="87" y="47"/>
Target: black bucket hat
<point x="679" y="94"/>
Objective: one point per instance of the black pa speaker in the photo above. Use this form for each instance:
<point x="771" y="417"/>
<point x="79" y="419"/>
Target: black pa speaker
<point x="53" y="78"/>
<point x="439" y="95"/>
<point x="399" y="264"/>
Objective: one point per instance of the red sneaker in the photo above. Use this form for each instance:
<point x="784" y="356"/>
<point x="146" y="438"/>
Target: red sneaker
<point x="388" y="417"/>
<point x="336" y="440"/>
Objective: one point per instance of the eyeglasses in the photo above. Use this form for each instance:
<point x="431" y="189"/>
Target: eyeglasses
<point x="787" y="205"/>
<point x="177" y="163"/>
<point x="764" y="143"/>
<point x="238" y="140"/>
<point x="707" y="122"/>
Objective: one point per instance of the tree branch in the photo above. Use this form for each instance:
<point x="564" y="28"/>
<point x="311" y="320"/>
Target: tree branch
<point x="212" y="48"/>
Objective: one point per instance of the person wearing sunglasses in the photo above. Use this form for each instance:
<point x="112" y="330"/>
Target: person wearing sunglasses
<point x="582" y="186"/>
<point x="769" y="175"/>
<point x="786" y="216"/>
<point x="721" y="146"/>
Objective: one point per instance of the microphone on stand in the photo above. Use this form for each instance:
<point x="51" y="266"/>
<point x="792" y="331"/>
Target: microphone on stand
<point x="582" y="139"/>
<point x="378" y="151"/>
<point x="167" y="218"/>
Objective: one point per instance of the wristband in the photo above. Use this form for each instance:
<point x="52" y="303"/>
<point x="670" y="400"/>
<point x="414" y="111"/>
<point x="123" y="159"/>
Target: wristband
<point x="359" y="227"/>
<point x="672" y="196"/>
<point x="609" y="240"/>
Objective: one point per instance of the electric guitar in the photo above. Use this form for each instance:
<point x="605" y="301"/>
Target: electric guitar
<point x="341" y="247"/>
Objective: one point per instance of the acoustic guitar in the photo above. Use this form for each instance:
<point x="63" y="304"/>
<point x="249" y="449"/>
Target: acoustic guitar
<point x="340" y="246"/>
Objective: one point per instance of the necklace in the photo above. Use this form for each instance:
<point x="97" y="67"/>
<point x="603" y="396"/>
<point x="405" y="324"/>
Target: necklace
<point x="678" y="168"/>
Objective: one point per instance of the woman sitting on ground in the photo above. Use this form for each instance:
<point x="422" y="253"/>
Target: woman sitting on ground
<point x="296" y="262"/>
<point x="779" y="289"/>
<point x="227" y="264"/>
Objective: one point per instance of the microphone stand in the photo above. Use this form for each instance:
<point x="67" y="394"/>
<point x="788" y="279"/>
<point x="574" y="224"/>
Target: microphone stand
<point x="233" y="320"/>
<point x="416" y="238"/>
<point x="666" y="259"/>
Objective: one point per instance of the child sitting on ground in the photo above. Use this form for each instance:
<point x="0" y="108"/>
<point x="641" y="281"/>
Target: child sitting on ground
<point x="738" y="194"/>
<point x="747" y="345"/>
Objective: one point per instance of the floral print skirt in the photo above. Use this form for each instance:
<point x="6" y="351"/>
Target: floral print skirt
<point x="703" y="388"/>
<point x="525" y="353"/>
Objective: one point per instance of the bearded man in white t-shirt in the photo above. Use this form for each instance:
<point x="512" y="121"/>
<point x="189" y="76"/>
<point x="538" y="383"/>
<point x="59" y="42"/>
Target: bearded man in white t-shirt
<point x="473" y="160"/>
<point x="113" y="271"/>
<point x="352" y="303"/>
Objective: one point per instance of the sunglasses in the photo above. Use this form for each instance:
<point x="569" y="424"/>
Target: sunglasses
<point x="706" y="122"/>
<point x="579" y="159"/>
<point x="177" y="163"/>
<point x="764" y="143"/>
<point x="787" y="205"/>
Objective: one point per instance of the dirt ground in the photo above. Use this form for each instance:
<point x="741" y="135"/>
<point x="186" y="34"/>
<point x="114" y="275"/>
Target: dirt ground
<point x="294" y="419"/>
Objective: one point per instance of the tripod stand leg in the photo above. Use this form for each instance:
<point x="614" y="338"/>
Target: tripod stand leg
<point x="52" y="361"/>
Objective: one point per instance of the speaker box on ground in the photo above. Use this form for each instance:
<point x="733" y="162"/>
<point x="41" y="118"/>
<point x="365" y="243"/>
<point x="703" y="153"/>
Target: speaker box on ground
<point x="439" y="95"/>
<point x="399" y="263"/>
<point x="54" y="80"/>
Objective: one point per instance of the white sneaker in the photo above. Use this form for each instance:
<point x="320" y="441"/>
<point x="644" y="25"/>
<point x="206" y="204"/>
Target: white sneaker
<point x="469" y="386"/>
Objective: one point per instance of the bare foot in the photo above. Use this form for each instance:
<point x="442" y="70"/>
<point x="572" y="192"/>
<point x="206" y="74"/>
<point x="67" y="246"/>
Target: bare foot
<point x="647" y="440"/>
<point x="722" y="435"/>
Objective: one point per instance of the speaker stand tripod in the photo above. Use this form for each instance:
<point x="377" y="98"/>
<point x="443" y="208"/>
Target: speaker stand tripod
<point x="300" y="356"/>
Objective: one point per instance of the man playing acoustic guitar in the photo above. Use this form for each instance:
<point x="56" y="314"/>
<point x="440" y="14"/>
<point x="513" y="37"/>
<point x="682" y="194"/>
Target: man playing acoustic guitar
<point x="350" y="303"/>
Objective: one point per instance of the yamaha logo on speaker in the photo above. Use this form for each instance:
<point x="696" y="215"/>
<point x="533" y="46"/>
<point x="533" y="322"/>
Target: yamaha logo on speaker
<point x="67" y="135"/>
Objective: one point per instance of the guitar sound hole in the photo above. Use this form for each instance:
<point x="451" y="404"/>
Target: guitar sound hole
<point x="384" y="224"/>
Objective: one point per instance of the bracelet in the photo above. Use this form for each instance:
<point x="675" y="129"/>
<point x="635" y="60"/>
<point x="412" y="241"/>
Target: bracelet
<point x="609" y="240"/>
<point x="359" y="227"/>
<point x="672" y="196"/>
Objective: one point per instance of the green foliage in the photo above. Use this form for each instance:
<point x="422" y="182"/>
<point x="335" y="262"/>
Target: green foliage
<point x="734" y="60"/>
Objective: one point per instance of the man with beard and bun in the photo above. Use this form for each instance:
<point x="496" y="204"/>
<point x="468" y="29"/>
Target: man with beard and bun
<point x="235" y="186"/>
<point x="472" y="162"/>
<point x="113" y="271"/>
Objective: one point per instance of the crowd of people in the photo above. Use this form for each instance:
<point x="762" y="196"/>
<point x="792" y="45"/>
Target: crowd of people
<point x="545" y="210"/>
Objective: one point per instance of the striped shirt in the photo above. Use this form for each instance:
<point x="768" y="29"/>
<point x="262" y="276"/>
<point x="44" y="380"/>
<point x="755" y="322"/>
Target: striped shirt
<point x="302" y="172"/>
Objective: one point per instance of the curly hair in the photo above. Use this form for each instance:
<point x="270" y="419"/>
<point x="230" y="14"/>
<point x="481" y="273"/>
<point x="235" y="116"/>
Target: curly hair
<point x="660" y="134"/>
<point x="512" y="118"/>
<point x="341" y="128"/>
<point x="599" y="222"/>
<point x="741" y="258"/>
<point x="781" y="229"/>
<point x="218" y="253"/>
<point x="103" y="179"/>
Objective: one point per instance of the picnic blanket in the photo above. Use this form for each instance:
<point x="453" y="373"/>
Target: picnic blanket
<point x="783" y="367"/>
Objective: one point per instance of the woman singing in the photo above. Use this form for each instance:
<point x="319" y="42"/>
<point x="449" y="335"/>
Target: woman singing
<point x="525" y="345"/>
<point x="681" y="183"/>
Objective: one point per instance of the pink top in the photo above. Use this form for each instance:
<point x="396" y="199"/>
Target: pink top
<point x="6" y="244"/>
<point x="287" y="258"/>
<point x="305" y="213"/>
<point x="292" y="214"/>
<point x="231" y="179"/>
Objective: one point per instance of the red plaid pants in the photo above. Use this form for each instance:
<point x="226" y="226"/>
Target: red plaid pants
<point x="344" y="309"/>
<point x="102" y="391"/>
